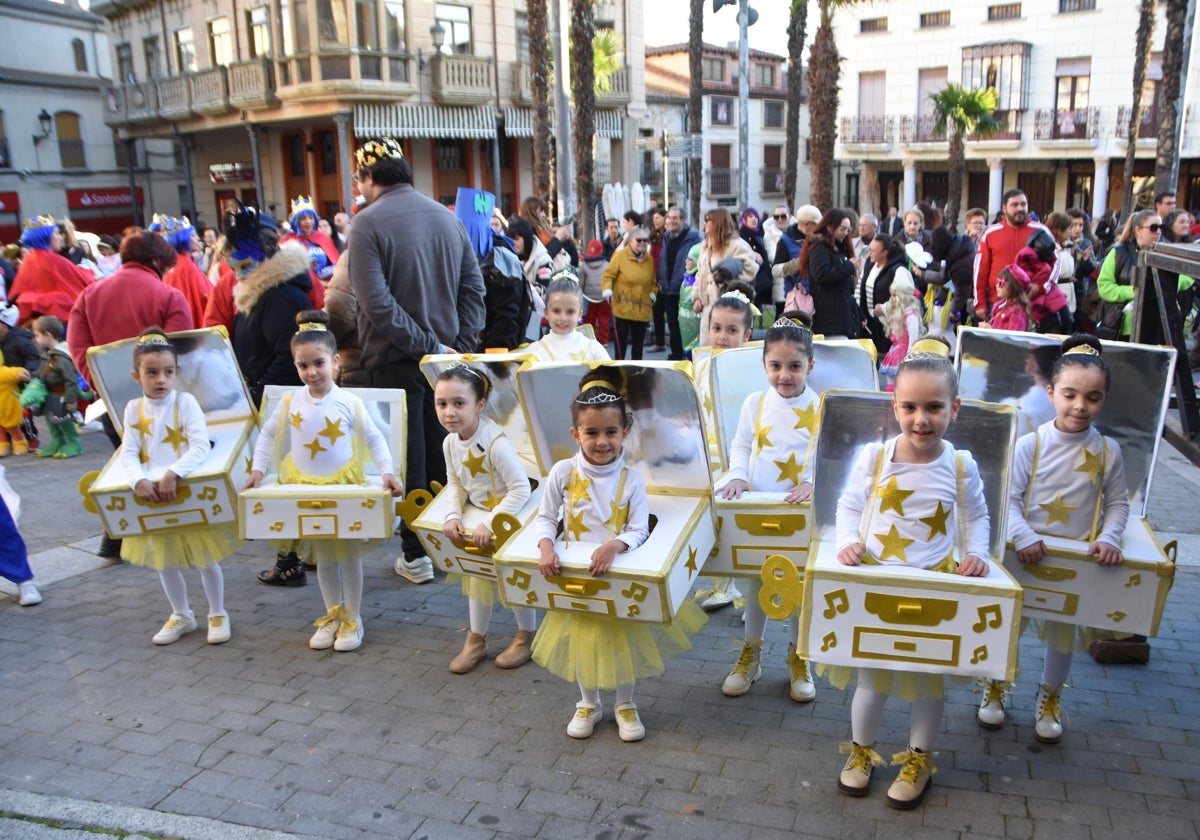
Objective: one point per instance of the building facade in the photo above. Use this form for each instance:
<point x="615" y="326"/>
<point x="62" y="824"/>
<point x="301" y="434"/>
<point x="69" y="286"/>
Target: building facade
<point x="667" y="80"/>
<point x="270" y="97"/>
<point x="1063" y="72"/>
<point x="56" y="153"/>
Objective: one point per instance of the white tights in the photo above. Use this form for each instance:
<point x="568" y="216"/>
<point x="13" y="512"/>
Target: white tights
<point x="481" y="616"/>
<point x="1056" y="668"/>
<point x="756" y="619"/>
<point x="866" y="711"/>
<point x="211" y="579"/>
<point x="341" y="582"/>
<point x="624" y="694"/>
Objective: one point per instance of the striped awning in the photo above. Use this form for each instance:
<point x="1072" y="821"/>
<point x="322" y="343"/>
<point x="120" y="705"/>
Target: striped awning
<point x="518" y="122"/>
<point x="424" y="121"/>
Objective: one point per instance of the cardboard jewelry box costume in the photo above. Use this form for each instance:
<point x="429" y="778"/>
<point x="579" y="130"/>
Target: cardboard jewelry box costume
<point x="667" y="446"/>
<point x="425" y="512"/>
<point x="760" y="524"/>
<point x="1068" y="585"/>
<point x="893" y="617"/>
<point x="274" y="511"/>
<point x="208" y="496"/>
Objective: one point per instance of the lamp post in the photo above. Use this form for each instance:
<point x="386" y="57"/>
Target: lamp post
<point x="45" y="122"/>
<point x="746" y="18"/>
<point x="437" y="33"/>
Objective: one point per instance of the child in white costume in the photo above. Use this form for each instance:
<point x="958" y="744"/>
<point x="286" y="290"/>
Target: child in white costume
<point x="912" y="501"/>
<point x="1068" y="480"/>
<point x="166" y="438"/>
<point x="769" y="453"/>
<point x="326" y="428"/>
<point x="483" y="476"/>
<point x="599" y="500"/>
<point x="565" y="343"/>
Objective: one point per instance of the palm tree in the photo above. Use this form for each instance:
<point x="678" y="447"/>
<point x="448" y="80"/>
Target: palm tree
<point x="1141" y="58"/>
<point x="960" y="112"/>
<point x="539" y="84"/>
<point x="607" y="47"/>
<point x="824" y="67"/>
<point x="695" y="106"/>
<point x="1166" y="164"/>
<point x="797" y="18"/>
<point x="583" y="120"/>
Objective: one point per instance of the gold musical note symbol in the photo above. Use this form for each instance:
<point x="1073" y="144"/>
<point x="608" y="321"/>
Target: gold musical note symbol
<point x="636" y="591"/>
<point x="837" y="603"/>
<point x="216" y="509"/>
<point x="828" y="642"/>
<point x="435" y="542"/>
<point x="124" y="523"/>
<point x="258" y="508"/>
<point x="1135" y="579"/>
<point x="980" y="654"/>
<point x="207" y="494"/>
<point x="989" y="616"/>
<point x="633" y="610"/>
<point x="531" y="598"/>
<point x="115" y="503"/>
<point x="518" y="579"/>
<point x="369" y="504"/>
<point x="355" y="526"/>
<point x="1116" y="615"/>
<point x="277" y="526"/>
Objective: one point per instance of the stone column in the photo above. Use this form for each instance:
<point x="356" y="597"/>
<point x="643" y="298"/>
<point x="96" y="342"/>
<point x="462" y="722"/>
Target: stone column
<point x="258" y="173"/>
<point x="1100" y="188"/>
<point x="910" y="183"/>
<point x="995" y="185"/>
<point x="340" y="120"/>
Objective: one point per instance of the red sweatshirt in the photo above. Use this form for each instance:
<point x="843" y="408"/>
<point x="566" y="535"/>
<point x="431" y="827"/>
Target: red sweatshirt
<point x="997" y="248"/>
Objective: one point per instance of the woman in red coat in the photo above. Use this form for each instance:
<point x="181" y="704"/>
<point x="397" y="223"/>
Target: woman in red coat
<point x="47" y="283"/>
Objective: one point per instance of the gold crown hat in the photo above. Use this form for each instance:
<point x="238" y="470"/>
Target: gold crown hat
<point x="1083" y="350"/>
<point x="373" y="151"/>
<point x="41" y="221"/>
<point x="301" y="203"/>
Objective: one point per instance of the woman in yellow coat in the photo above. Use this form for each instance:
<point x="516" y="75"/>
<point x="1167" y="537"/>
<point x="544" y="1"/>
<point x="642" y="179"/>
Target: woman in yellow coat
<point x="11" y="379"/>
<point x="631" y="284"/>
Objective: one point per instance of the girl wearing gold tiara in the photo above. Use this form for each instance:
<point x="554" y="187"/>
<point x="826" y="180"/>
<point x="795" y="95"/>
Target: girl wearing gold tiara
<point x="166" y="439"/>
<point x="915" y="502"/>
<point x="1068" y="480"/>
<point x="484" y="474"/>
<point x="597" y="499"/>
<point x="326" y="428"/>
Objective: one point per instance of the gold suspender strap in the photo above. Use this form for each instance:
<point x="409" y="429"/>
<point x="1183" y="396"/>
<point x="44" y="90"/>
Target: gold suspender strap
<point x="612" y="528"/>
<point x="1095" y="529"/>
<point x="872" y="496"/>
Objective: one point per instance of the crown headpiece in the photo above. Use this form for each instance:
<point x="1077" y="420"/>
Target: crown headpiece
<point x="927" y="348"/>
<point x="313" y="326"/>
<point x="166" y="225"/>
<point x="302" y="204"/>
<point x="151" y="339"/>
<point x="609" y="395"/>
<point x="470" y="371"/>
<point x="1083" y="349"/>
<point x="39" y="222"/>
<point x="373" y="151"/>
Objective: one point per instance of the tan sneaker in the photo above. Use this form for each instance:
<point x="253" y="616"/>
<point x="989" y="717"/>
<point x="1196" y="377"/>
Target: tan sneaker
<point x="474" y="651"/>
<point x="518" y="652"/>
<point x="911" y="785"/>
<point x="746" y="671"/>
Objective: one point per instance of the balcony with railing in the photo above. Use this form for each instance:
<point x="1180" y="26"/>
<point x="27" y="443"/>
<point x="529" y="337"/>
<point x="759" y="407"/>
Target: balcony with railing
<point x="210" y="91"/>
<point x="772" y="181"/>
<point x="1147" y="128"/>
<point x="174" y="97"/>
<point x="251" y="84"/>
<point x="1010" y="128"/>
<point x="522" y="89"/>
<point x="919" y="128"/>
<point x="722" y="182"/>
<point x="133" y="103"/>
<point x="72" y="153"/>
<point x="1082" y="124"/>
<point x="617" y="95"/>
<point x="333" y="70"/>
<point x="867" y="130"/>
<point x="650" y="173"/>
<point x="461" y="79"/>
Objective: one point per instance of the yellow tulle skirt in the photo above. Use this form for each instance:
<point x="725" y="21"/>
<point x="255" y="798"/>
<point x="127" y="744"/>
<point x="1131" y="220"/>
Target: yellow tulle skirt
<point x="905" y="685"/>
<point x="601" y="652"/>
<point x="1067" y="638"/>
<point x="324" y="551"/>
<point x="193" y="549"/>
<point x="480" y="590"/>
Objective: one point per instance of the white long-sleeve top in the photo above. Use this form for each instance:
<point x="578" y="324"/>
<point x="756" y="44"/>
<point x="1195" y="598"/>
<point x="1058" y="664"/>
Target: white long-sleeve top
<point x="160" y="435"/>
<point x="1076" y="490"/>
<point x="769" y="450"/>
<point x="594" y="503"/>
<point x="322" y="434"/>
<point x="572" y="347"/>
<point x="484" y="470"/>
<point x="909" y="515"/>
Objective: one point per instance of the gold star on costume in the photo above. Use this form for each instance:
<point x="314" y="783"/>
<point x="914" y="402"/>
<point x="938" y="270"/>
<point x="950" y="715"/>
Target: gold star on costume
<point x="789" y="470"/>
<point x="891" y="497"/>
<point x="690" y="565"/>
<point x="332" y="431"/>
<point x="761" y="441"/>
<point x="296" y="417"/>
<point x="574" y="526"/>
<point x="1058" y="510"/>
<point x="474" y="463"/>
<point x="894" y="545"/>
<point x="806" y="418"/>
<point x="1092" y="465"/>
<point x="142" y="425"/>
<point x="709" y="407"/>
<point x="617" y="519"/>
<point x="492" y="500"/>
<point x="314" y="447"/>
<point x="937" y="521"/>
<point x="174" y="436"/>
<point x="577" y="489"/>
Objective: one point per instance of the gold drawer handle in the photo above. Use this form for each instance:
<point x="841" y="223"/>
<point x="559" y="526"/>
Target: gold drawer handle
<point x="316" y="504"/>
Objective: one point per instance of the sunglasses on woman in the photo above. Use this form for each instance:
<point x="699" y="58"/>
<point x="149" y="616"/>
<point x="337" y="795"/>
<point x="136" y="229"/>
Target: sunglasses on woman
<point x="1155" y="227"/>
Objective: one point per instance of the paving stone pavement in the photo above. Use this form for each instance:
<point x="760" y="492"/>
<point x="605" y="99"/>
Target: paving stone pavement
<point x="264" y="738"/>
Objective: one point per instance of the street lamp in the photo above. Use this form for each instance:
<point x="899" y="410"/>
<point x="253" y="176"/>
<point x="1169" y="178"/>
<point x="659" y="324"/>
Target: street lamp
<point x="45" y="121"/>
<point x="438" y="33"/>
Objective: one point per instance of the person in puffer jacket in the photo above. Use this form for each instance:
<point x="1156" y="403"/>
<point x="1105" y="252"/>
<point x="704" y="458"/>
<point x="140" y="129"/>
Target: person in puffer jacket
<point x="1048" y="306"/>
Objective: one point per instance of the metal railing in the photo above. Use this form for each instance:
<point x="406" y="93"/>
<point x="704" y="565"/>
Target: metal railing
<point x="1010" y="128"/>
<point x="919" y="128"/>
<point x="1078" y="124"/>
<point x="869" y="129"/>
<point x="722" y="181"/>
<point x="772" y="181"/>
<point x="1147" y="128"/>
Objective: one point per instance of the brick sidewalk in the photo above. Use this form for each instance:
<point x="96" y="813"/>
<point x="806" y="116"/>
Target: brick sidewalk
<point x="385" y="742"/>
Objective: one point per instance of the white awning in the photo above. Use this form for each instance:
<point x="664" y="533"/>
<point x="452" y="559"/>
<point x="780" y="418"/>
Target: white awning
<point x="424" y="121"/>
<point x="518" y="122"/>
